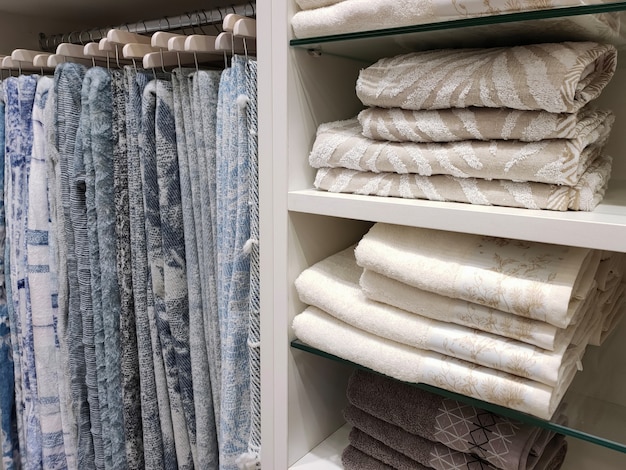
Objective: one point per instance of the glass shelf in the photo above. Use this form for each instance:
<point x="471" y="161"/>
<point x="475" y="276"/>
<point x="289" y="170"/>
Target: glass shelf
<point x="551" y="25"/>
<point x="583" y="412"/>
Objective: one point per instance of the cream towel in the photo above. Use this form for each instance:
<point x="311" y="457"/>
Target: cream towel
<point x="453" y="125"/>
<point x="611" y="304"/>
<point x="340" y="144"/>
<point x="480" y="317"/>
<point x="583" y="196"/>
<point x="332" y="285"/>
<point x="351" y="16"/>
<point x="324" y="332"/>
<point x="555" y="77"/>
<point x="534" y="280"/>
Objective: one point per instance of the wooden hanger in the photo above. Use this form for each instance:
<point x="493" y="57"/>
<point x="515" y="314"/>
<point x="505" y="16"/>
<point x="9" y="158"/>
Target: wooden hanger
<point x="9" y="64"/>
<point x="228" y="23"/>
<point x="161" y="39"/>
<point x="118" y="36"/>
<point x="245" y="28"/>
<point x="137" y="50"/>
<point x="228" y="43"/>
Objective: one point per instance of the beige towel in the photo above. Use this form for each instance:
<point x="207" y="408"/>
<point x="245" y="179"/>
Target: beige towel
<point x="311" y="4"/>
<point x="534" y="280"/>
<point x="555" y="77"/>
<point x="340" y="144"/>
<point x="324" y="332"/>
<point x="453" y="125"/>
<point x="349" y="16"/>
<point x="585" y="195"/>
<point x="480" y="317"/>
<point x="332" y="285"/>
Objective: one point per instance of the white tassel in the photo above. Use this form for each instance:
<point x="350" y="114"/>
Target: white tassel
<point x="248" y="461"/>
<point x="242" y="101"/>
<point x="247" y="247"/>
<point x="252" y="132"/>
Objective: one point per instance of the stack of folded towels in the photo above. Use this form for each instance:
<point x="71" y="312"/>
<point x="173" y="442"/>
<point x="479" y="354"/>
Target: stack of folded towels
<point x="504" y="321"/>
<point x="401" y="427"/>
<point x="506" y="126"/>
<point x="328" y="17"/>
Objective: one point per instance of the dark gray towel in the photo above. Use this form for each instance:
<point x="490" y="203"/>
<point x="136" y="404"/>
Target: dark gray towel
<point x="353" y="459"/>
<point x="428" y="453"/>
<point x="502" y="442"/>
<point x="376" y="449"/>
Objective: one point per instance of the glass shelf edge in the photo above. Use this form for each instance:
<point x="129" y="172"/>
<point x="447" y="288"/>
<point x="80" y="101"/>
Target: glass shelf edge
<point x="465" y="23"/>
<point x="509" y="413"/>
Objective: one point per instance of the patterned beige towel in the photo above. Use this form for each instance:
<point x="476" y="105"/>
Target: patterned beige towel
<point x="349" y="16"/>
<point x="555" y="77"/>
<point x="585" y="195"/>
<point x="534" y="280"/>
<point x="612" y="303"/>
<point x="480" y="317"/>
<point x="341" y="144"/>
<point x="332" y="285"/>
<point x="453" y="125"/>
<point x="324" y="332"/>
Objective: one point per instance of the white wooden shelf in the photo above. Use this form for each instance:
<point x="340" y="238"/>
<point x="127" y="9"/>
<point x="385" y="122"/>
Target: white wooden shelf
<point x="327" y="455"/>
<point x="604" y="228"/>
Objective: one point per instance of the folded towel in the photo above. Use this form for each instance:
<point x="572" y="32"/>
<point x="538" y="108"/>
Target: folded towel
<point x="612" y="303"/>
<point x="453" y="125"/>
<point x="324" y="332"/>
<point x="340" y="144"/>
<point x="611" y="266"/>
<point x="555" y="77"/>
<point x="534" y="280"/>
<point x="332" y="285"/>
<point x="375" y="448"/>
<point x="503" y="442"/>
<point x="389" y="291"/>
<point x="583" y="196"/>
<point x="350" y="16"/>
<point x="354" y="459"/>
<point x="371" y="434"/>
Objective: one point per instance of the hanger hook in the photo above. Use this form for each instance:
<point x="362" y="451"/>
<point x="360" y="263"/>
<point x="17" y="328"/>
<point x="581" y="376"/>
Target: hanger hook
<point x="200" y="21"/>
<point x="193" y="29"/>
<point x="145" y="28"/>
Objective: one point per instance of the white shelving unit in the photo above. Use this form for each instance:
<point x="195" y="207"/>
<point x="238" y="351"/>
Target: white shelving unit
<point x="303" y="394"/>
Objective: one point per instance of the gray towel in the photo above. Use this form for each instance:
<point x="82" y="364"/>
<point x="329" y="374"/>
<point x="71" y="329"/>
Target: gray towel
<point x="502" y="442"/>
<point x="386" y="435"/>
<point x="353" y="459"/>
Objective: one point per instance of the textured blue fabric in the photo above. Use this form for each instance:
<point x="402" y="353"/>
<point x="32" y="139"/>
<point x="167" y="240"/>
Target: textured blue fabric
<point x="42" y="293"/>
<point x="98" y="159"/>
<point x="8" y="431"/>
<point x="159" y="451"/>
<point x="129" y="362"/>
<point x="190" y="156"/>
<point x="176" y="449"/>
<point x="68" y="80"/>
<point x="204" y="115"/>
<point x="85" y="229"/>
<point x="20" y="95"/>
<point x="254" y="327"/>
<point x="233" y="265"/>
<point x="58" y="277"/>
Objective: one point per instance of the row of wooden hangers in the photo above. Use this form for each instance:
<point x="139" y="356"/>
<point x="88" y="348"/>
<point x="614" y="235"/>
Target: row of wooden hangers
<point x="161" y="50"/>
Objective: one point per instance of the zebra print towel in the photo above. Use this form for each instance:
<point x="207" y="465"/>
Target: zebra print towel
<point x="553" y="161"/>
<point x="583" y="196"/>
<point x="453" y="125"/>
<point x="555" y="77"/>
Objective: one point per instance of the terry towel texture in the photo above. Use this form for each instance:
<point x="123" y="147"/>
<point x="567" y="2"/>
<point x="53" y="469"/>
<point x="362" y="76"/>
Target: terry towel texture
<point x="322" y="331"/>
<point x="585" y="195"/>
<point x="569" y="76"/>
<point x="453" y="125"/>
<point x="332" y="285"/>
<point x="504" y="443"/>
<point x="324" y="17"/>
<point x="353" y="459"/>
<point x="534" y="280"/>
<point x="340" y="144"/>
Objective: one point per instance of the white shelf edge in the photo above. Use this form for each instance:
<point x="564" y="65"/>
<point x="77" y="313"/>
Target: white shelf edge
<point x="327" y="455"/>
<point x="604" y="228"/>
